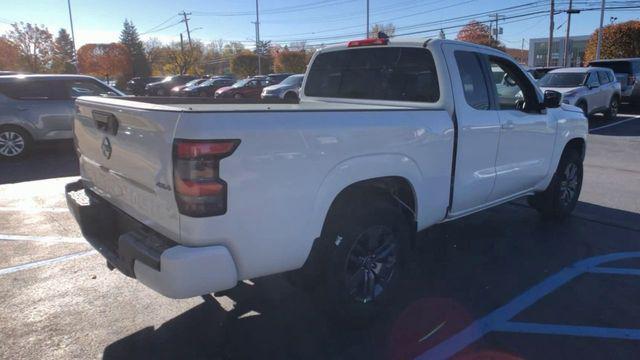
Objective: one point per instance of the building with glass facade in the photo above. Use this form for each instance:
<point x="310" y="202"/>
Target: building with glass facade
<point x="538" y="51"/>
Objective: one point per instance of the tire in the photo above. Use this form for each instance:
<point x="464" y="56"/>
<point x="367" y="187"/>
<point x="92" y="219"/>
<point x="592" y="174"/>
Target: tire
<point x="561" y="196"/>
<point x="290" y="96"/>
<point x="365" y="255"/>
<point x="237" y="96"/>
<point x="612" y="111"/>
<point x="15" y="142"/>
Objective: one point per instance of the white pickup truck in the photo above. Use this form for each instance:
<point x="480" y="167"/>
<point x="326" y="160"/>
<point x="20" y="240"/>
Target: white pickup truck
<point x="389" y="137"/>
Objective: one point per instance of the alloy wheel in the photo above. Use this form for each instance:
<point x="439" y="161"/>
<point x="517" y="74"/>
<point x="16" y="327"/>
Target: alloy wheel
<point x="11" y="143"/>
<point x="569" y="184"/>
<point x="613" y="108"/>
<point x="371" y="263"/>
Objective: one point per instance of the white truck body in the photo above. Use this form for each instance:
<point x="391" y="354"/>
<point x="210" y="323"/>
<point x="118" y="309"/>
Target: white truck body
<point x="293" y="160"/>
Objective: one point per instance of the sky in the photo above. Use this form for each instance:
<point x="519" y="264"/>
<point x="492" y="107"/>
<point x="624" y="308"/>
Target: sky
<point x="316" y="21"/>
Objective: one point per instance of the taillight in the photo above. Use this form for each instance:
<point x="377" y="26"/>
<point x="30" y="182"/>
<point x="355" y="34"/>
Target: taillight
<point x="631" y="80"/>
<point x="368" y="42"/>
<point x="199" y="190"/>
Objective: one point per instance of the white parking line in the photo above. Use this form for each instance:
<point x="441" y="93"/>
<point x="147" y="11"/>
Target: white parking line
<point x="40" y="263"/>
<point x="32" y="209"/>
<point x="46" y="239"/>
<point x="614" y="124"/>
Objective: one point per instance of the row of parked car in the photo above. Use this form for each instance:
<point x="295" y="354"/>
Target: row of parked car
<point x="283" y="86"/>
<point x="598" y="88"/>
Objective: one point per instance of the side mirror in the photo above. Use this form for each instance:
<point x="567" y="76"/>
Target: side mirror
<point x="552" y="99"/>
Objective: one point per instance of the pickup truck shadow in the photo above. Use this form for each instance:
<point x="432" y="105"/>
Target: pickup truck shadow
<point x="460" y="271"/>
<point x="48" y="160"/>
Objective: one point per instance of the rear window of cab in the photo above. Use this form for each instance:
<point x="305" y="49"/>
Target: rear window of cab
<point x="380" y="73"/>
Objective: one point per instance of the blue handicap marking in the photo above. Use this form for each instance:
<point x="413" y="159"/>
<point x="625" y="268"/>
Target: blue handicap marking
<point x="499" y="319"/>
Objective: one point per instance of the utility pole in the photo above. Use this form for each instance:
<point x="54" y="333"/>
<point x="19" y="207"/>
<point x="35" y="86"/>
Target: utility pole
<point x="181" y="51"/>
<point x="366" y="34"/>
<point x="258" y="47"/>
<point x="599" y="47"/>
<point x="73" y="35"/>
<point x="186" y="23"/>
<point x="496" y="17"/>
<point x="551" y="25"/>
<point x="566" y="61"/>
<point x="524" y="61"/>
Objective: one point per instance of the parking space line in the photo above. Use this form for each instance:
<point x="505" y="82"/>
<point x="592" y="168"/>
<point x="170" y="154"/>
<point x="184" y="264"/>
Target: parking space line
<point x="615" y="271"/>
<point x="40" y="263"/>
<point x="46" y="239"/>
<point x="499" y="317"/>
<point x="32" y="209"/>
<point x="615" y="123"/>
<point x="570" y="330"/>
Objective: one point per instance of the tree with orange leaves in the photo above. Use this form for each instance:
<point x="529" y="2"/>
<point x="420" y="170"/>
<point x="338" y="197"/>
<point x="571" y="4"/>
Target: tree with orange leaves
<point x="478" y="33"/>
<point x="111" y="61"/>
<point x="9" y="55"/>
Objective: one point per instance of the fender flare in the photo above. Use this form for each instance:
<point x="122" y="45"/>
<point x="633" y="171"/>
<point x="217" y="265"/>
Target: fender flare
<point x="356" y="169"/>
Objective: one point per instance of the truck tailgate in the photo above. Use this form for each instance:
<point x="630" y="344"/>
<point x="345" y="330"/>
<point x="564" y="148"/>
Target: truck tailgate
<point x="126" y="158"/>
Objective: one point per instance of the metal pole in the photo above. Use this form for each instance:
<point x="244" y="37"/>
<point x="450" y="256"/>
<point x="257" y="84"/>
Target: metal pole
<point x="186" y="23"/>
<point x="73" y="35"/>
<point x="599" y="47"/>
<point x="181" y="52"/>
<point x="366" y="34"/>
<point x="551" y="25"/>
<point x="258" y="50"/>
<point x="497" y="30"/>
<point x="565" y="56"/>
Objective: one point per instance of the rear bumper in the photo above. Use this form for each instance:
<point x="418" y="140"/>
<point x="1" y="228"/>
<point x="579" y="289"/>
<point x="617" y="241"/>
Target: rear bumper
<point x="139" y="252"/>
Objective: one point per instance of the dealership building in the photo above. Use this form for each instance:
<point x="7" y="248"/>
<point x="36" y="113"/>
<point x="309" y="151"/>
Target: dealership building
<point x="538" y="51"/>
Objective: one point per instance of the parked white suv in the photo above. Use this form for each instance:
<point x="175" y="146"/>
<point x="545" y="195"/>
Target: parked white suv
<point x="389" y="138"/>
<point x="592" y="89"/>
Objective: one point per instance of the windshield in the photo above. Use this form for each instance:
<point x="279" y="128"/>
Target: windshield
<point x="167" y="79"/>
<point x="293" y="80"/>
<point x="559" y="79"/>
<point x="241" y="83"/>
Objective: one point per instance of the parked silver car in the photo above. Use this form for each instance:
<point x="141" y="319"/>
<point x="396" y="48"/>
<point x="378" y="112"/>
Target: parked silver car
<point x="592" y="89"/>
<point x="41" y="107"/>
<point x="287" y="89"/>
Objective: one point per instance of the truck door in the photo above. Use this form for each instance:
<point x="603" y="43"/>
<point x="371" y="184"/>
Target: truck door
<point x="527" y="133"/>
<point x="478" y="129"/>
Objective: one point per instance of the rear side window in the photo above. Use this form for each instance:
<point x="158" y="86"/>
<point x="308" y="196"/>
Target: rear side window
<point x="27" y="89"/>
<point x="474" y="85"/>
<point x="389" y="73"/>
<point x="602" y="76"/>
<point x="617" y="66"/>
<point x="78" y="88"/>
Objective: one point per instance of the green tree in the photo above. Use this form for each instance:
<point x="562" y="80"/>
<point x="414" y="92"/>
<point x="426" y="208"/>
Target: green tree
<point x="246" y="64"/>
<point x="290" y="61"/>
<point x="35" y="45"/>
<point x="131" y="40"/>
<point x="618" y="41"/>
<point x="63" y="61"/>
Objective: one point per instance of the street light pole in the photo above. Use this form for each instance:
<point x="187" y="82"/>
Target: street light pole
<point x="73" y="35"/>
<point x="599" y="46"/>
<point x="366" y="34"/>
<point x="258" y="50"/>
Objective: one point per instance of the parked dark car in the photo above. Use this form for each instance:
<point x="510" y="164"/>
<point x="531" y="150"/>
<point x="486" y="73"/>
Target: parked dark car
<point x="179" y="89"/>
<point x="163" y="88"/>
<point x="137" y="84"/>
<point x="627" y="72"/>
<point x="209" y="87"/>
<point x="277" y="78"/>
<point x="249" y="88"/>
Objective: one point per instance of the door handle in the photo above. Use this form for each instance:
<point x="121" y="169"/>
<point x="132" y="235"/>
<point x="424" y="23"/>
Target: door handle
<point x="509" y="125"/>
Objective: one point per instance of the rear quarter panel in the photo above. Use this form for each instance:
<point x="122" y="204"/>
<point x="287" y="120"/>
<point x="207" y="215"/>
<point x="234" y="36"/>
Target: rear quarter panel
<point x="290" y="165"/>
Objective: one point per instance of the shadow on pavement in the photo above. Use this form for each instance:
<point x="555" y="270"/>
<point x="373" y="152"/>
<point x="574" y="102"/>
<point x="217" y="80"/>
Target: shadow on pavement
<point x="459" y="271"/>
<point x="48" y="160"/>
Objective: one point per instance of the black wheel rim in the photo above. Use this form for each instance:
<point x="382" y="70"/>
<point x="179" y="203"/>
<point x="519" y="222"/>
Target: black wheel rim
<point x="569" y="184"/>
<point x="371" y="263"/>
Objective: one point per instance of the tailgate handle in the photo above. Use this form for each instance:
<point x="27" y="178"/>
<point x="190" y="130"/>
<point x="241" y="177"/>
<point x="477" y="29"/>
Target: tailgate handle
<point x="106" y="121"/>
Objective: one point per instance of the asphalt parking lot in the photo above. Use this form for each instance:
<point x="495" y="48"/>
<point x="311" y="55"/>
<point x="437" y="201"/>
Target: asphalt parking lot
<point x="500" y="284"/>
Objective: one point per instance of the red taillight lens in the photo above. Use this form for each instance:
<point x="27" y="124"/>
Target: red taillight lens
<point x="199" y="190"/>
<point x="631" y="80"/>
<point x="367" y="42"/>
